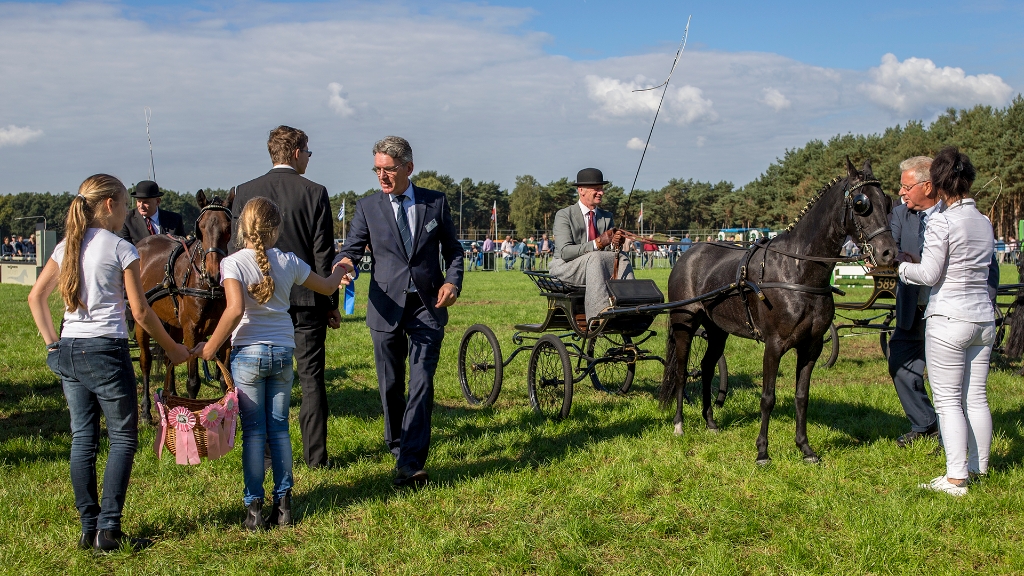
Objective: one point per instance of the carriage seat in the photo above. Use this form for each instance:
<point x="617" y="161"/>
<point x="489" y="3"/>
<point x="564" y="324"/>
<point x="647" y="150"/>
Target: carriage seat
<point x="629" y="293"/>
<point x="551" y="285"/>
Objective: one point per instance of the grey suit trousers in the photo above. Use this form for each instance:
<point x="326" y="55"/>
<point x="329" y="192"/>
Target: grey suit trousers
<point x="592" y="270"/>
<point x="906" y="366"/>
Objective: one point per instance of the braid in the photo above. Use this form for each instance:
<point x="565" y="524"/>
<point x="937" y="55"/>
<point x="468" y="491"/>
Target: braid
<point x="258" y="224"/>
<point x="264" y="289"/>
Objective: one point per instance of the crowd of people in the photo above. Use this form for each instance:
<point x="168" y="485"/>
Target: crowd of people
<point x="283" y="273"/>
<point x="18" y="248"/>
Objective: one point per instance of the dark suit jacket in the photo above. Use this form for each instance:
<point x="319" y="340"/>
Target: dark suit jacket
<point x="134" y="228"/>
<point x="570" y="230"/>
<point x="307" y="225"/>
<point x="906" y="228"/>
<point x="435" y="237"/>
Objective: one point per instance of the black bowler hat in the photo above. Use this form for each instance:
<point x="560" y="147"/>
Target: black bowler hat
<point x="147" y="189"/>
<point x="589" y="177"/>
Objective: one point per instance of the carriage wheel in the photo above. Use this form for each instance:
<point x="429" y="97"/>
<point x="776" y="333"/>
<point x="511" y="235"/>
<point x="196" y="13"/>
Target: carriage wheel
<point x="832" y="345"/>
<point x="1002" y="324"/>
<point x="883" y="336"/>
<point x="611" y="377"/>
<point x="692" y="386"/>
<point x="480" y="366"/>
<point x="549" y="378"/>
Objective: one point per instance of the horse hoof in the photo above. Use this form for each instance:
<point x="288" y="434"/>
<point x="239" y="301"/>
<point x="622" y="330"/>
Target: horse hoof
<point x="812" y="459"/>
<point x="678" y="430"/>
<point x="762" y="462"/>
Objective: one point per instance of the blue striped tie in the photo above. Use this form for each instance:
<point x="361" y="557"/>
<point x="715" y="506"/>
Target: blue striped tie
<point x="403" y="224"/>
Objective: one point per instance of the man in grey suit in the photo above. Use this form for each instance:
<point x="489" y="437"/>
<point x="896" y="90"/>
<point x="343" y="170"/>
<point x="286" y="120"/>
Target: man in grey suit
<point x="409" y="230"/>
<point x="584" y="235"/>
<point x="906" y="347"/>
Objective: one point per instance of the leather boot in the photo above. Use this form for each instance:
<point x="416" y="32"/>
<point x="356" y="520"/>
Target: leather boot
<point x="254" y="516"/>
<point x="281" y="513"/>
<point x="110" y="540"/>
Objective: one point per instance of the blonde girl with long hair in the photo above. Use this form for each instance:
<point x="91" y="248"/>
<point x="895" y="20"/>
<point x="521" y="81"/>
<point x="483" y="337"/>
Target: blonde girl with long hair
<point x="93" y="268"/>
<point x="257" y="282"/>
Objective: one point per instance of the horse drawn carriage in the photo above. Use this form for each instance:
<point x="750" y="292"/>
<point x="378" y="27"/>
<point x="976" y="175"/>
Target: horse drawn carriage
<point x="564" y="350"/>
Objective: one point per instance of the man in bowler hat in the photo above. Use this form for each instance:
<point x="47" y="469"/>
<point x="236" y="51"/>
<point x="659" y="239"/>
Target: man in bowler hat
<point x="584" y="236"/>
<point x="416" y="275"/>
<point x="147" y="218"/>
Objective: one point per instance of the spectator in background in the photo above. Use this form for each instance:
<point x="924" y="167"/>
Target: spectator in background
<point x="19" y="245"/>
<point x="474" y="256"/>
<point x="544" y="249"/>
<point x="1001" y="249"/>
<point x="8" y="249"/>
<point x="29" y="248"/>
<point x="508" y="248"/>
<point x="488" y="245"/>
<point x="957" y="264"/>
<point x="685" y="243"/>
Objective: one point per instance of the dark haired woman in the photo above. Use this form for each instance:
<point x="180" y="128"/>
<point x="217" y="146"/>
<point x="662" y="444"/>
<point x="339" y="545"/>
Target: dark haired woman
<point x="956" y="262"/>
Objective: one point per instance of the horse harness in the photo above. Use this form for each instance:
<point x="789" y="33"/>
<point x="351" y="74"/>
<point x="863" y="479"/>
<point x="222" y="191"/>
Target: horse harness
<point x="193" y="247"/>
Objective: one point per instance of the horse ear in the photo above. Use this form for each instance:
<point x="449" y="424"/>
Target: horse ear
<point x="230" y="200"/>
<point x="868" y="174"/>
<point x="851" y="170"/>
<point x="201" y="198"/>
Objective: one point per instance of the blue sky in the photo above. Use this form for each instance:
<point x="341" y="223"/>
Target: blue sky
<point x="488" y="91"/>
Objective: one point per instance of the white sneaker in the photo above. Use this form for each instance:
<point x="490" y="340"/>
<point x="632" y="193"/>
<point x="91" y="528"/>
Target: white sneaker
<point x="942" y="484"/>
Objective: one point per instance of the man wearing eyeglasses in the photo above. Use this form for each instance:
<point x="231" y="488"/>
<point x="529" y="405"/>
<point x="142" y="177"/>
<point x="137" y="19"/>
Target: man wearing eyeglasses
<point x="410" y="230"/>
<point x="906" y="346"/>
<point x="307" y="229"/>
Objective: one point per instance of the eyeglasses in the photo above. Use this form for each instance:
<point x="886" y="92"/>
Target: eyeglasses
<point x="389" y="170"/>
<point x="905" y="188"/>
<point x="307" y="152"/>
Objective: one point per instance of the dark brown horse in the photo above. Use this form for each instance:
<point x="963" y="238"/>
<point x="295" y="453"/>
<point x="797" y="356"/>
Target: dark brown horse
<point x="182" y="282"/>
<point x="782" y="295"/>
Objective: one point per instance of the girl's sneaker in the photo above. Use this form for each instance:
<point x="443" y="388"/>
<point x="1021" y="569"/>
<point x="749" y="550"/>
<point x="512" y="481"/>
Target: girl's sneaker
<point x="942" y="484"/>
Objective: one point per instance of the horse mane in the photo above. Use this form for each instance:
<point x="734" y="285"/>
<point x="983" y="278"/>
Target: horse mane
<point x="810" y="202"/>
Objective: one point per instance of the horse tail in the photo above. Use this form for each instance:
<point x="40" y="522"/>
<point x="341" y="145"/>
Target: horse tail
<point x="1015" y="342"/>
<point x="671" y="377"/>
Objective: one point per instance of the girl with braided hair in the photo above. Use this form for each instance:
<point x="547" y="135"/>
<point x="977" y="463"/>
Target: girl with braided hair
<point x="257" y="283"/>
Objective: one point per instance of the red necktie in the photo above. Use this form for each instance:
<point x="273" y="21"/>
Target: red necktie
<point x="149" y="225"/>
<point x="591" y="228"/>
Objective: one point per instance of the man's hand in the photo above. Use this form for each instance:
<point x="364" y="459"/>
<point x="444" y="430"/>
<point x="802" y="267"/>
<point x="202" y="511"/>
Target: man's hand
<point x="605" y="238"/>
<point x="447" y="295"/>
<point x="904" y="257"/>
<point x="178" y="354"/>
<point x="618" y="238"/>
<point x="334" y="319"/>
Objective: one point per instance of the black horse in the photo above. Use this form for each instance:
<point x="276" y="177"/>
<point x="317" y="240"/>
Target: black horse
<point x="782" y="294"/>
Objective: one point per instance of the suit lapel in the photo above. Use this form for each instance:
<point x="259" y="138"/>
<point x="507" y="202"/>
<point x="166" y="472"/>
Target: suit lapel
<point x="579" y="224"/>
<point x="388" y="213"/>
<point x="421" y="211"/>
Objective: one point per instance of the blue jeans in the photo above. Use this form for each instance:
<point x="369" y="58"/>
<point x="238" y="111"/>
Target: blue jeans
<point x="98" y="377"/>
<point x="263" y="376"/>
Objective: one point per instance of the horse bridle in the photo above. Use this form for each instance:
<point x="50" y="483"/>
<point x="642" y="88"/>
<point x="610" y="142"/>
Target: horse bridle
<point x="861" y="206"/>
<point x="193" y="254"/>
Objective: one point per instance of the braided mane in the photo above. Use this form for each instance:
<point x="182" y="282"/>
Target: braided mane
<point x="810" y="202"/>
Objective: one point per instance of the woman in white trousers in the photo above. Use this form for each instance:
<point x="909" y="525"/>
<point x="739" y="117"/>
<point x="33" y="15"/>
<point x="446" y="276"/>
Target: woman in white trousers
<point x="958" y="248"/>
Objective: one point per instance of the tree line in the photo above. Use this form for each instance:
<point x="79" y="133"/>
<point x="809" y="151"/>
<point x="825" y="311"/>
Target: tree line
<point x="992" y="137"/>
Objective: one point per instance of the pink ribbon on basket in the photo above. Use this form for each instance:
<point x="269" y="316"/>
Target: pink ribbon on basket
<point x="184" y="421"/>
<point x="212" y="418"/>
<point x="230" y="412"/>
<point x="161" y="430"/>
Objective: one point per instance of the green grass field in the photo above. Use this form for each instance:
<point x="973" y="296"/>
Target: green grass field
<point x="608" y="490"/>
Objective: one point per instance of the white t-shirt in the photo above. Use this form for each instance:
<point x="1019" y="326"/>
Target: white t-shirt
<point x="265" y="323"/>
<point x="104" y="257"/>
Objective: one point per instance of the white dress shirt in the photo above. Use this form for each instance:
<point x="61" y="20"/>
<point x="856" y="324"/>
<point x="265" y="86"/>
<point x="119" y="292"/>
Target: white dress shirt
<point x="409" y="205"/>
<point x="958" y="245"/>
<point x="583" y="208"/>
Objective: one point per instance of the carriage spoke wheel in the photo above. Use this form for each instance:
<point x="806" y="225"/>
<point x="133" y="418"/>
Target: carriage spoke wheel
<point x="549" y="378"/>
<point x="480" y="366"/>
<point x="692" y="386"/>
<point x="612" y="377"/>
<point x="831" y="345"/>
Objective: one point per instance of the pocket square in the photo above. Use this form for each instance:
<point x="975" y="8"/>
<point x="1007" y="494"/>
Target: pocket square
<point x="431" y="225"/>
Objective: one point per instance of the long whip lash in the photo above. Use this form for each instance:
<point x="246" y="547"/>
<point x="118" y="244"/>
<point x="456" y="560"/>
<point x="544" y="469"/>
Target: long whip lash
<point x="679" y="52"/>
<point x="152" y="167"/>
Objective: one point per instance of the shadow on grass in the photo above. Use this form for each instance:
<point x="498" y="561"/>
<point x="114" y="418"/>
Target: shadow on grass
<point x="43" y="423"/>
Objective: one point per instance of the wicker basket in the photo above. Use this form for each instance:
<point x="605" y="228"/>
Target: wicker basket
<point x="195" y="406"/>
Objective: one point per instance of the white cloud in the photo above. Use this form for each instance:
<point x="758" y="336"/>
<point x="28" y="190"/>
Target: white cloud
<point x="683" y="105"/>
<point x="775" y="99"/>
<point x="337" y="102"/>
<point x="18" y="135"/>
<point x="636" y="144"/>
<point x="918" y="85"/>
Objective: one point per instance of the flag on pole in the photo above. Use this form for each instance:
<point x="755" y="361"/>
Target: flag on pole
<point x="640" y="216"/>
<point x="341" y="212"/>
<point x="494" y="212"/>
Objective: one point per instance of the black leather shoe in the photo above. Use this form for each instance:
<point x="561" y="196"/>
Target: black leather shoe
<point x="254" y="516"/>
<point x="110" y="540"/>
<point x="281" y="513"/>
<point x="87" y="540"/>
<point x="409" y="476"/>
<point x="912" y="436"/>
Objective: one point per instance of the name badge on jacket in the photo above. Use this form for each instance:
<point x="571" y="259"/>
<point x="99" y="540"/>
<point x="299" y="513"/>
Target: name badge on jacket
<point x="431" y="225"/>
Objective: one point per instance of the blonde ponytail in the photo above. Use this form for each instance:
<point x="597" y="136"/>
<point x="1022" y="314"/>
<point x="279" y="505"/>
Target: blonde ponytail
<point x="258" y="224"/>
<point x="93" y="192"/>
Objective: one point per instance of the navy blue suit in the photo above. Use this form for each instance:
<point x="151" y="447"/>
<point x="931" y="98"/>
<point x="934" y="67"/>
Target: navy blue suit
<point x="403" y="324"/>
